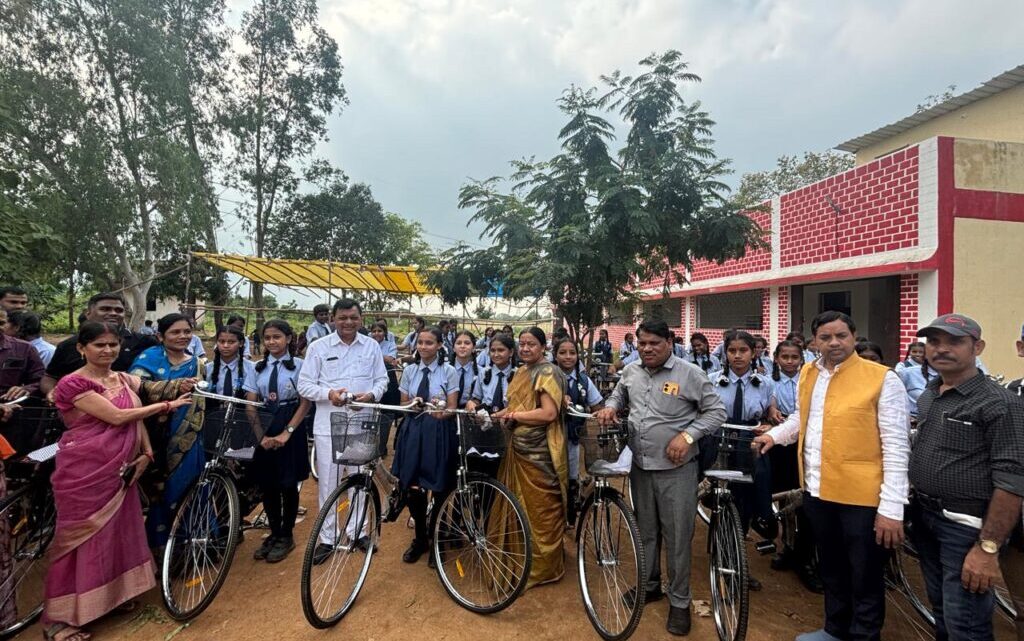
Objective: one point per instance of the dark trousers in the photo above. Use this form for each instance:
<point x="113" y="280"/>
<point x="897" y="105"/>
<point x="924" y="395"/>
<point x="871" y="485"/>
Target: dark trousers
<point x="1012" y="565"/>
<point x="852" y="568"/>
<point x="282" y="508"/>
<point x="941" y="546"/>
<point x="754" y="500"/>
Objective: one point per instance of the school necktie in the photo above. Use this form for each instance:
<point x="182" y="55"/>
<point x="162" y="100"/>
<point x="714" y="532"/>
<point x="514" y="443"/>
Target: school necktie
<point x="462" y="382"/>
<point x="498" y="399"/>
<point x="424" y="389"/>
<point x="737" y="403"/>
<point x="227" y="389"/>
<point x="272" y="386"/>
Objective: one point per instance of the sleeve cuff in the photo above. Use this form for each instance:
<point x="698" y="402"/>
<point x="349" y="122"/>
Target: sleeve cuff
<point x="891" y="509"/>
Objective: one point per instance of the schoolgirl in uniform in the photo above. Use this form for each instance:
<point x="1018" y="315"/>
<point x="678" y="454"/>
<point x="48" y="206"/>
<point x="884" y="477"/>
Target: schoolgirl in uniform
<point x="466" y="368"/>
<point x="491" y="386"/>
<point x="799" y="339"/>
<point x="426" y="448"/>
<point x="581" y="391"/>
<point x="281" y="461"/>
<point x="762" y="359"/>
<point x="915" y="379"/>
<point x="602" y="346"/>
<point x="869" y="351"/>
<point x="700" y="356"/>
<point x="747" y="396"/>
<point x="627" y="348"/>
<point x="913" y="358"/>
<point x="231" y="373"/>
<point x="379" y="333"/>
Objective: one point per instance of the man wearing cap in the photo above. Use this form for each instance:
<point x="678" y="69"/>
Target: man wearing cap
<point x="967" y="471"/>
<point x="853" y="436"/>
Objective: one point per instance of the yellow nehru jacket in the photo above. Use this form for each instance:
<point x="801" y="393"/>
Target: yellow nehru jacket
<point x="851" y="445"/>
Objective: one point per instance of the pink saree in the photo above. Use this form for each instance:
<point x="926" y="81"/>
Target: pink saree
<point x="99" y="558"/>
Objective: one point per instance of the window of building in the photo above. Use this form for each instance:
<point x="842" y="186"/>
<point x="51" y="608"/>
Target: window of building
<point x="669" y="310"/>
<point x="741" y="310"/>
<point x="621" y="314"/>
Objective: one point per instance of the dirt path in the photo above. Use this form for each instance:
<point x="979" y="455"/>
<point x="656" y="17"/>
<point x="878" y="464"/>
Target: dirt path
<point x="399" y="601"/>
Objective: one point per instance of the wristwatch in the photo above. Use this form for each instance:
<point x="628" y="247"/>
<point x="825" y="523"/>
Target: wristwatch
<point x="291" y="428"/>
<point x="688" y="438"/>
<point x="988" y="546"/>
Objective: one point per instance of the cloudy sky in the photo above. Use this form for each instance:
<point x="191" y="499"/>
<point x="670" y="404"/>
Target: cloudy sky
<point x="446" y="90"/>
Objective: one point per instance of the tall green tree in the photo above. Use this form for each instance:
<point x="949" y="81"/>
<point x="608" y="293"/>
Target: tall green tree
<point x="288" y="81"/>
<point x="790" y="173"/>
<point x="585" y="227"/>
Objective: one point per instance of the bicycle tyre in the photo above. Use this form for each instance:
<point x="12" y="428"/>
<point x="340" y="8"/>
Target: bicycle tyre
<point x="458" y="539"/>
<point x="592" y="538"/>
<point x="912" y="590"/>
<point x="704" y="488"/>
<point x="727" y="563"/>
<point x="29" y="522"/>
<point x="206" y="524"/>
<point x="343" y="550"/>
<point x="1004" y="603"/>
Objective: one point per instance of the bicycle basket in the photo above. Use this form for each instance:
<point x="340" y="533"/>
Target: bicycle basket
<point x="481" y="436"/>
<point x="235" y="432"/>
<point x="602" y="446"/>
<point x="359" y="437"/>
<point x="31" y="428"/>
<point x="735" y="458"/>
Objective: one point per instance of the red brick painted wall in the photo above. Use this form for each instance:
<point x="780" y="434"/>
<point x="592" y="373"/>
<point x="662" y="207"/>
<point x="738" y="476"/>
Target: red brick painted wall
<point x="755" y="261"/>
<point x="909" y="321"/>
<point x="878" y="203"/>
<point x="783" y="315"/>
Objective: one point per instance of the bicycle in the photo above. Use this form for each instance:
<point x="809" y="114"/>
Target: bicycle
<point x="482" y="549"/>
<point x="609" y="552"/>
<point x="27" y="517"/>
<point x="350" y="519"/>
<point x="727" y="555"/>
<point x="206" y="528"/>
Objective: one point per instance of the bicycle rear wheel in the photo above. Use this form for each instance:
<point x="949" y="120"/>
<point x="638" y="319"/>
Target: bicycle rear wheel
<point x="201" y="545"/>
<point x="333" y="573"/>
<point x="610" y="560"/>
<point x="728" y="569"/>
<point x="27" y="519"/>
<point x="482" y="545"/>
<point x="905" y="575"/>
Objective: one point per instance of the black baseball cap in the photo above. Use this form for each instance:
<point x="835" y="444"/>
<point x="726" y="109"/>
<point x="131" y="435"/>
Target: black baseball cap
<point x="954" y="325"/>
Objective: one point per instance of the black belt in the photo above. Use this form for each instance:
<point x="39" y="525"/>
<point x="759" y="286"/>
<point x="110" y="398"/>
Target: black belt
<point x="936" y="504"/>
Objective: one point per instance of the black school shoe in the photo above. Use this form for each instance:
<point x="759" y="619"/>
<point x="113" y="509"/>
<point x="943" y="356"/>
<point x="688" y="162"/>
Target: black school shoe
<point x="321" y="553"/>
<point x="415" y="551"/>
<point x="282" y="547"/>
<point x="264" y="549"/>
<point x="678" y="621"/>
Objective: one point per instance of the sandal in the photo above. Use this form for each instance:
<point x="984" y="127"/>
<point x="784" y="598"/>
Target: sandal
<point x="65" y="632"/>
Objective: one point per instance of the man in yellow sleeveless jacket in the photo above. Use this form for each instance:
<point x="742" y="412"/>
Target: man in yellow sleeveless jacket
<point x="853" y="435"/>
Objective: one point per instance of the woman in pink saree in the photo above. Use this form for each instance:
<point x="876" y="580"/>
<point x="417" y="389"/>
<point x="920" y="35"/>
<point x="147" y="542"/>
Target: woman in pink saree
<point x="99" y="558"/>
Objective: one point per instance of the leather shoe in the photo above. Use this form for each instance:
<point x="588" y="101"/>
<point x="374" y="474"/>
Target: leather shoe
<point x="363" y="544"/>
<point x="678" y="621"/>
<point x="629" y="596"/>
<point x="414" y="551"/>
<point x="808" y="575"/>
<point x="321" y="553"/>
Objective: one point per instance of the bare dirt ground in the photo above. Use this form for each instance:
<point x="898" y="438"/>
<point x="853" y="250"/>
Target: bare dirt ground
<point x="400" y="601"/>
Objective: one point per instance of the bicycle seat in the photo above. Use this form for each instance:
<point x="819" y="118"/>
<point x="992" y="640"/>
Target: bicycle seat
<point x="606" y="468"/>
<point x="729" y="475"/>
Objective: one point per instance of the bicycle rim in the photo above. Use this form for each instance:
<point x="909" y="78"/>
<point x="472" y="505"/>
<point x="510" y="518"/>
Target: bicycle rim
<point x="482" y="546"/>
<point x="28" y="528"/>
<point x="312" y="463"/>
<point x="200" y="546"/>
<point x="908" y="579"/>
<point x="728" y="569"/>
<point x="703" y="489"/>
<point x="610" y="560"/>
<point x="329" y="589"/>
<point x="1003" y="600"/>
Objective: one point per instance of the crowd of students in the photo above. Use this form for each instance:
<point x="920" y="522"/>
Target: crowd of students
<point x="107" y="378"/>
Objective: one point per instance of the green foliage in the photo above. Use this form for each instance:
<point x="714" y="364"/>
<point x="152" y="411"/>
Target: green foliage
<point x="936" y="99"/>
<point x="790" y="173"/>
<point x="584" y="227"/>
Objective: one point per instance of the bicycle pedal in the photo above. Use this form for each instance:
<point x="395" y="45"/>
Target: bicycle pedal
<point x="765" y="547"/>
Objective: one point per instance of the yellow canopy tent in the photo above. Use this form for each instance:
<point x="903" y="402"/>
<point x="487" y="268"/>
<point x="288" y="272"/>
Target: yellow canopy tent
<point x="321" y="274"/>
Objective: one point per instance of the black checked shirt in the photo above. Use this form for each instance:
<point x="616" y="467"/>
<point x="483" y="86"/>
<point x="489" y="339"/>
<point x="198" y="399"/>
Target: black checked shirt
<point x="970" y="440"/>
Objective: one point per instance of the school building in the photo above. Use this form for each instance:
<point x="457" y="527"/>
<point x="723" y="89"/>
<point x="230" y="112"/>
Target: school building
<point x="928" y="222"/>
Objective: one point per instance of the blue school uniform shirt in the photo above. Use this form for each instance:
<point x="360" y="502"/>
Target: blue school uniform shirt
<point x="785" y="392"/>
<point x="914" y="380"/>
<point x="483" y="359"/>
<point x="593" y="396"/>
<point x="467" y="375"/>
<point x="484" y="391"/>
<point x="443" y="379"/>
<point x="633" y="357"/>
<point x="244" y="379"/>
<point x="388" y="349"/>
<point x="287" y="381"/>
<point x="626" y="350"/>
<point x="714" y="366"/>
<point x="756" y="398"/>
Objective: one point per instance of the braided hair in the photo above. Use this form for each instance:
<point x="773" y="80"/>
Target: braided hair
<point x="507" y="341"/>
<point x="706" y="363"/>
<point x="286" y="329"/>
<point x="776" y="370"/>
<point x="240" y="337"/>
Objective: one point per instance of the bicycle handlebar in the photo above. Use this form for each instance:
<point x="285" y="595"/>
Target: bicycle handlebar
<point x="410" y="407"/>
<point x="20" y="399"/>
<point x="201" y="391"/>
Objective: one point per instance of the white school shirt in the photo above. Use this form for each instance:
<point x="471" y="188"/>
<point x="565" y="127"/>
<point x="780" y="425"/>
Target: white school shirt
<point x="44" y="349"/>
<point x="246" y="380"/>
<point x="893" y="427"/>
<point x="316" y="330"/>
<point x="196" y="347"/>
<point x="331" y="364"/>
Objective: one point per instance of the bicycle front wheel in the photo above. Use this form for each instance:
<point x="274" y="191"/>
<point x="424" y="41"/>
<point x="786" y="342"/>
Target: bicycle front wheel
<point x="482" y="546"/>
<point x="27" y="519"/>
<point x="906" y="576"/>
<point x="728" y="568"/>
<point x="339" y="551"/>
<point x="201" y="545"/>
<point x="1003" y="600"/>
<point x="610" y="559"/>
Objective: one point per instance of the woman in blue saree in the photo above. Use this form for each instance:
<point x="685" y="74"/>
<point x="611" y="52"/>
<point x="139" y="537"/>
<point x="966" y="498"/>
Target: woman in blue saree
<point x="177" y="445"/>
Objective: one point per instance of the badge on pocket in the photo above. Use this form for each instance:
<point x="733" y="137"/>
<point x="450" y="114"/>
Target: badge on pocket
<point x="670" y="388"/>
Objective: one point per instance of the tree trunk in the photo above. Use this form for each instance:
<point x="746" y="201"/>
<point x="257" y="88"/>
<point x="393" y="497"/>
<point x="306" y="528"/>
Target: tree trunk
<point x="71" y="301"/>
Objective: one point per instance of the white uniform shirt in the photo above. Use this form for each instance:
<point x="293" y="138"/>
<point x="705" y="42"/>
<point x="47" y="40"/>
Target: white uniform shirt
<point x="330" y="364"/>
<point x="317" y="330"/>
<point x="893" y="426"/>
